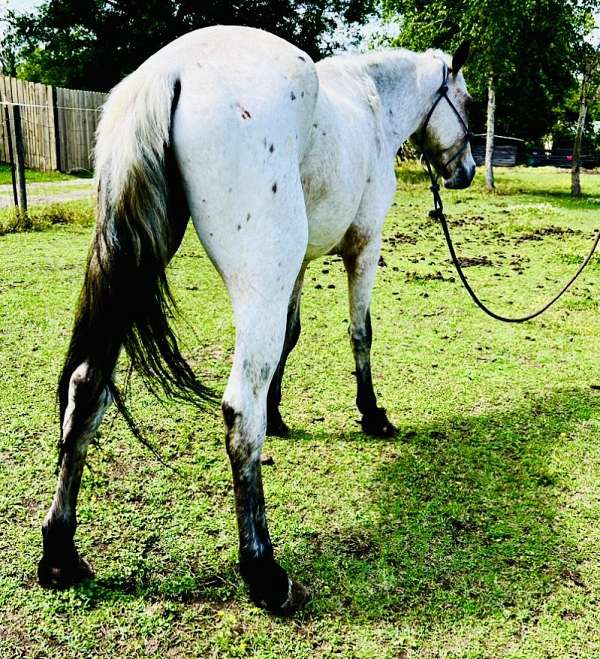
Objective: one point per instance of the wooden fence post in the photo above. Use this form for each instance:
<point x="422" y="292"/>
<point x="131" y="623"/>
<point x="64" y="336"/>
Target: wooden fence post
<point x="54" y="128"/>
<point x="10" y="154"/>
<point x="16" y="128"/>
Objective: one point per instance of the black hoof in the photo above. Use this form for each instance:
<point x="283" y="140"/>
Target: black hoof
<point x="298" y="595"/>
<point x="271" y="588"/>
<point x="278" y="428"/>
<point x="63" y="574"/>
<point x="377" y="424"/>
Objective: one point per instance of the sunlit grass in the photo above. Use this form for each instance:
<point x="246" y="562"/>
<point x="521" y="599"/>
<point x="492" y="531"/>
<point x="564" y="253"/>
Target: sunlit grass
<point x="473" y="534"/>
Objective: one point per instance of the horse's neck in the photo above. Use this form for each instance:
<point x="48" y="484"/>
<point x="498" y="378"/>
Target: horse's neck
<point x="406" y="83"/>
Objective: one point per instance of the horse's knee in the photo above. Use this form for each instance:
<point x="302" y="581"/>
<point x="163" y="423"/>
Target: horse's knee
<point x="87" y="402"/>
<point x="240" y="441"/>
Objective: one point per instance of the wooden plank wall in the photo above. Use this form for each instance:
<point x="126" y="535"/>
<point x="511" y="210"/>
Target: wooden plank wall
<point x="76" y="116"/>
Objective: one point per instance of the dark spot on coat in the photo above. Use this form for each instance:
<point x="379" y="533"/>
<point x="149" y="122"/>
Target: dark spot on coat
<point x="369" y="180"/>
<point x="292" y="96"/>
<point x="302" y="94"/>
<point x="302" y="58"/>
<point x="239" y="227"/>
<point x="323" y="133"/>
<point x="274" y="188"/>
<point x="248" y="217"/>
<point x="229" y="415"/>
<point x="246" y="114"/>
<point x="315" y="125"/>
<point x="271" y="148"/>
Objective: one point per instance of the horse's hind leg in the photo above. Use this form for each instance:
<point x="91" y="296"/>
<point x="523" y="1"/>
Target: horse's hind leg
<point x="61" y="566"/>
<point x="260" y="329"/>
<point x="361" y="268"/>
<point x="260" y="278"/>
<point x="276" y="426"/>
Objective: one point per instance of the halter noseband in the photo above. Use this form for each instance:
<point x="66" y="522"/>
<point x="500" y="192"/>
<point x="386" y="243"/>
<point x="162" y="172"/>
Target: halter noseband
<point x="441" y="93"/>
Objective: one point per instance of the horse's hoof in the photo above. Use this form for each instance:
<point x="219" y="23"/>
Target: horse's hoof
<point x="64" y="575"/>
<point x="377" y="424"/>
<point x="298" y="596"/>
<point x="278" y="428"/>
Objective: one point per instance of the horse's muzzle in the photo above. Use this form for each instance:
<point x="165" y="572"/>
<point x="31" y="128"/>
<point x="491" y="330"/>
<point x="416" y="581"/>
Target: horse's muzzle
<point x="461" y="178"/>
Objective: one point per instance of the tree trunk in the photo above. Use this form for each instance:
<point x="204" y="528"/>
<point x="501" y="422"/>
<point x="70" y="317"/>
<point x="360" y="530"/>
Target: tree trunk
<point x="576" y="167"/>
<point x="489" y="140"/>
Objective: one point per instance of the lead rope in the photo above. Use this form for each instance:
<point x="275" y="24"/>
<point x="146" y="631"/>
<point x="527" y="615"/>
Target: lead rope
<point x="438" y="213"/>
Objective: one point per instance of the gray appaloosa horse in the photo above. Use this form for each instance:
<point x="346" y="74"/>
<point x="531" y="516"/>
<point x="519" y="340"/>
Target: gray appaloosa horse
<point x="278" y="161"/>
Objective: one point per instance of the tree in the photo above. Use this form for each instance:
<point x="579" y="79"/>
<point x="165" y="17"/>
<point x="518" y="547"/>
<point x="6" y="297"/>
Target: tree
<point x="92" y="44"/>
<point x="522" y="56"/>
<point x="590" y="73"/>
<point x="9" y="47"/>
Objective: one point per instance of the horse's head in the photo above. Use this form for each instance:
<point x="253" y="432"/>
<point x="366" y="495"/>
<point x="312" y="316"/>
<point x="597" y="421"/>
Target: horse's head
<point x="444" y="133"/>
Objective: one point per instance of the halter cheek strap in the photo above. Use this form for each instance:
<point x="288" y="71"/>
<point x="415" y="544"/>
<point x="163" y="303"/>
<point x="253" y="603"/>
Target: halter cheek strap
<point x="441" y="93"/>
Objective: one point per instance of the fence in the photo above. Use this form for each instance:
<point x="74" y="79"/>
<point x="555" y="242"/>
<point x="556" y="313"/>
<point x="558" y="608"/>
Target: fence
<point x="506" y="150"/>
<point x="58" y="124"/>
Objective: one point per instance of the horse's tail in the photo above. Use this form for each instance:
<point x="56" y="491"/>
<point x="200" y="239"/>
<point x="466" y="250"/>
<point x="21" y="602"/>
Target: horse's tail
<point x="125" y="300"/>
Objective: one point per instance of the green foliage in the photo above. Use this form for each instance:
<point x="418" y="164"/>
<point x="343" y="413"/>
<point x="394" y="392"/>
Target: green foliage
<point x="474" y="534"/>
<point x="92" y="44"/>
<point x="529" y="47"/>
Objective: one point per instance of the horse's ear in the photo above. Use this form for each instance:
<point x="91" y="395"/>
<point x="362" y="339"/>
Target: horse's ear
<point x="460" y="57"/>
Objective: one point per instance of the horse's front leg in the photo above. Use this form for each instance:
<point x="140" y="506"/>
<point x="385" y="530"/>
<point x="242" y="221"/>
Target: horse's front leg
<point x="361" y="267"/>
<point x="276" y="426"/>
<point x="259" y="341"/>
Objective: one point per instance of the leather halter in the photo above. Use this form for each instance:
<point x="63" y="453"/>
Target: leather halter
<point x="438" y="213"/>
<point x="441" y="93"/>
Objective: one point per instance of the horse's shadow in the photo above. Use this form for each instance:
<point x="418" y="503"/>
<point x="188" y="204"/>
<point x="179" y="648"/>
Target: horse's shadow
<point x="460" y="517"/>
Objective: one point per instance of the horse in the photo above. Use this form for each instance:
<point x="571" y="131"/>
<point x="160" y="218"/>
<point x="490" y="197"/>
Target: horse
<point x="278" y="161"/>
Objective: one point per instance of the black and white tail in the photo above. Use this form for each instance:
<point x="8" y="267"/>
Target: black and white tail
<point x="141" y="216"/>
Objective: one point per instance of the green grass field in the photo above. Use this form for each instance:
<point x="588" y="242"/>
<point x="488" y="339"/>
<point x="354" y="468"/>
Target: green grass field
<point x="475" y="533"/>
<point x="34" y="176"/>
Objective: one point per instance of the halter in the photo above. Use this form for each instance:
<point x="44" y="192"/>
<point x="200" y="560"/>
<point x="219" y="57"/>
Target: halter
<point x="441" y="93"/>
<point x="438" y="213"/>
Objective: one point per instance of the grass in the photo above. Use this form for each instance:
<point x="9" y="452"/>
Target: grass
<point x="474" y="534"/>
<point x="34" y="176"/>
<point x="39" y="218"/>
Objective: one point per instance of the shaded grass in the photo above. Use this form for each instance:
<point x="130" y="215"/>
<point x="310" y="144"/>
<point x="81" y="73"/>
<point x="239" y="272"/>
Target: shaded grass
<point x="474" y="534"/>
